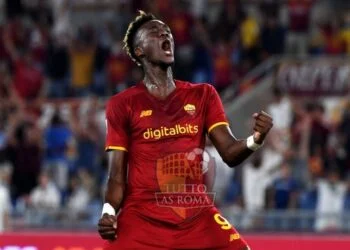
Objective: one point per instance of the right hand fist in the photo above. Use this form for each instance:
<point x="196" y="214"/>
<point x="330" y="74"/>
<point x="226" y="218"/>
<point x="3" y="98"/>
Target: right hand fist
<point x="107" y="227"/>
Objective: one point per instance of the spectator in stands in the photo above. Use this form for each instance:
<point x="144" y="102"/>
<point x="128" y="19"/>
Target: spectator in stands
<point x="257" y="175"/>
<point x="347" y="196"/>
<point x="345" y="32"/>
<point x="62" y="29"/>
<point x="228" y="20"/>
<point x="79" y="197"/>
<point x="330" y="205"/>
<point x="122" y="17"/>
<point x="343" y="148"/>
<point x="3" y="142"/>
<point x="87" y="134"/>
<point x="233" y="193"/>
<point x="272" y="37"/>
<point x="16" y="33"/>
<point x="118" y="69"/>
<point x="57" y="69"/>
<point x="333" y="44"/>
<point x="181" y="22"/>
<point x="301" y="129"/>
<point x="39" y="38"/>
<point x="281" y="110"/>
<point x="299" y="148"/>
<point x="284" y="190"/>
<point x="58" y="137"/>
<point x="316" y="46"/>
<point x="223" y="68"/>
<point x="28" y="81"/>
<point x="270" y="8"/>
<point x="99" y="85"/>
<point x="24" y="151"/>
<point x="223" y="173"/>
<point x="282" y="195"/>
<point x="202" y="54"/>
<point x="45" y="196"/>
<point x="5" y="201"/>
<point x="82" y="54"/>
<point x="8" y="105"/>
<point x="39" y="11"/>
<point x="249" y="38"/>
<point x="6" y="95"/>
<point x="43" y="201"/>
<point x="299" y="12"/>
<point x="319" y="134"/>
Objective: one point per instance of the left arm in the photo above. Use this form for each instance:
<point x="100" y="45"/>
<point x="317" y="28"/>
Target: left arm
<point x="233" y="151"/>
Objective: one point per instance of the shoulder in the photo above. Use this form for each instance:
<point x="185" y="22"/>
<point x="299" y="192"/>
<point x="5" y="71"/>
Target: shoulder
<point x="197" y="87"/>
<point x="124" y="97"/>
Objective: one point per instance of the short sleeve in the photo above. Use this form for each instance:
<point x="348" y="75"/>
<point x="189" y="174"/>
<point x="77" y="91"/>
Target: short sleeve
<point x="116" y="125"/>
<point x="215" y="114"/>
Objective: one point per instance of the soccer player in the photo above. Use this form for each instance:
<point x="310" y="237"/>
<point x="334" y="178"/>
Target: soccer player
<point x="156" y="132"/>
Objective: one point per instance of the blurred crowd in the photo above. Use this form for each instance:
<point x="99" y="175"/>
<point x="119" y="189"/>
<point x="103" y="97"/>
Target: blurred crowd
<point x="54" y="159"/>
<point x="46" y="44"/>
<point x="57" y="66"/>
<point x="303" y="166"/>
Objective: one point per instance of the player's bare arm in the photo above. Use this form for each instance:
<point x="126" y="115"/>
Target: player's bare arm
<point x="114" y="195"/>
<point x="234" y="151"/>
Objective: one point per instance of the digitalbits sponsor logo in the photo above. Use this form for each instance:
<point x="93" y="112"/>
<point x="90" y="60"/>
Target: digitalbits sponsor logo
<point x="163" y="131"/>
<point x="182" y="181"/>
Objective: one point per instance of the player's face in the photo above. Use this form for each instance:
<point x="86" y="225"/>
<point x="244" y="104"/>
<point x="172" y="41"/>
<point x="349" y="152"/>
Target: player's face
<point x="157" y="43"/>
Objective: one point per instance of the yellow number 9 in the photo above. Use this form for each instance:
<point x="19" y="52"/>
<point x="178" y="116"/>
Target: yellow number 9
<point x="222" y="222"/>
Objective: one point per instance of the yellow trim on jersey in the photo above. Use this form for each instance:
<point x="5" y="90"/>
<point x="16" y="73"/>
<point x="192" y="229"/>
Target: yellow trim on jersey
<point x="116" y="148"/>
<point x="217" y="124"/>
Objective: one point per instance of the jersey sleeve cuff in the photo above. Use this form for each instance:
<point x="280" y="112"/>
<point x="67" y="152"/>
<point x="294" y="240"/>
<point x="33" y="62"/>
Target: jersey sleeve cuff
<point x="216" y="125"/>
<point x="109" y="148"/>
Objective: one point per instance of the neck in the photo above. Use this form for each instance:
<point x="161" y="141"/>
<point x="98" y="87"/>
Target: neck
<point x="158" y="80"/>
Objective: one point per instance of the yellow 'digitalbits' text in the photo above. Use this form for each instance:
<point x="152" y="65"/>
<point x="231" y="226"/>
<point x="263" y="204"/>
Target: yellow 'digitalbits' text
<point x="158" y="133"/>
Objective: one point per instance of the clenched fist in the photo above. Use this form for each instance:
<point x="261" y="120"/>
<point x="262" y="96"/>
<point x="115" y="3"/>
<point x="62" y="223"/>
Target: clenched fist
<point x="262" y="126"/>
<point x="107" y="227"/>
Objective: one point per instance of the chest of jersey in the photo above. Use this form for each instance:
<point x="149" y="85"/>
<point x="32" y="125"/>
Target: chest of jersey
<point x="180" y="116"/>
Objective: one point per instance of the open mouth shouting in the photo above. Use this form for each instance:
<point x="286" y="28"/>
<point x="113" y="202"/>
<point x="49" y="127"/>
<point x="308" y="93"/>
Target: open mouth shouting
<point x="166" y="47"/>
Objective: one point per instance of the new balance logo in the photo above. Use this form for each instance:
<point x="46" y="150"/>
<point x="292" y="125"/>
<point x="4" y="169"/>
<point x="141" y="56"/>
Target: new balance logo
<point x="145" y="113"/>
<point x="234" y="237"/>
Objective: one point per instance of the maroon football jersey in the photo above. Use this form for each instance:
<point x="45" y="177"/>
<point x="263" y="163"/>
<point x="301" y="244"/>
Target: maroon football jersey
<point x="164" y="140"/>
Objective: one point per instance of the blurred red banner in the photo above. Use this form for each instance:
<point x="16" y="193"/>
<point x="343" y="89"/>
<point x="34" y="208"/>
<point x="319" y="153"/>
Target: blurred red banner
<point x="297" y="242"/>
<point x="51" y="241"/>
<point x="91" y="241"/>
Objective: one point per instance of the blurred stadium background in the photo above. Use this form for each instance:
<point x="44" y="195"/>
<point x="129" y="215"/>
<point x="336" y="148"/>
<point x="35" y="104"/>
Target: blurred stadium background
<point x="61" y="59"/>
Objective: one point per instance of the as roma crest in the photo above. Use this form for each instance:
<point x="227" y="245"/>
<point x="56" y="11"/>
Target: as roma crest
<point x="190" y="108"/>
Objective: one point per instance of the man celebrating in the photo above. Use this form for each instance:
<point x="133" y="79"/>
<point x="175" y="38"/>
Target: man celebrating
<point x="156" y="132"/>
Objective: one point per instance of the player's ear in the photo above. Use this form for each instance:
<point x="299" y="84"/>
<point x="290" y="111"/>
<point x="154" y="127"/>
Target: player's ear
<point x="139" y="52"/>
